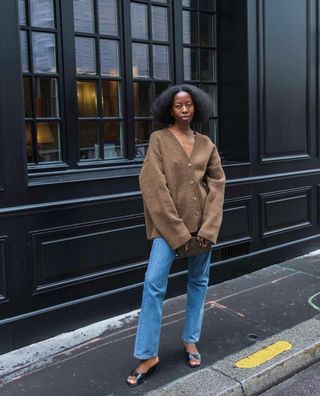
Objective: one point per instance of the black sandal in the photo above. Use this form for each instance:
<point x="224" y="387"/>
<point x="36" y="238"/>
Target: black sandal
<point x="141" y="377"/>
<point x="190" y="356"/>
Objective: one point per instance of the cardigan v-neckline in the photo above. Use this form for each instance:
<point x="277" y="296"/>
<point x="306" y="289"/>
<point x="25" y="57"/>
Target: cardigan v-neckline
<point x="180" y="145"/>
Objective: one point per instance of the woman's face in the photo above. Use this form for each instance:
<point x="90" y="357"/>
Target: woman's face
<point x="182" y="108"/>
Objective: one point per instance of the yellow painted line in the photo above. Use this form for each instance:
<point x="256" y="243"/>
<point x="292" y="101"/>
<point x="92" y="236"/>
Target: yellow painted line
<point x="265" y="354"/>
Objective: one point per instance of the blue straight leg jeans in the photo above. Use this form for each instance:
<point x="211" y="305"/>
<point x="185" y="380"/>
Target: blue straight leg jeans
<point x="155" y="286"/>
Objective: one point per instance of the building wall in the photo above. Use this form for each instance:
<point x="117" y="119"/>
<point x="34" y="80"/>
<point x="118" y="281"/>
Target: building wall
<point x="72" y="243"/>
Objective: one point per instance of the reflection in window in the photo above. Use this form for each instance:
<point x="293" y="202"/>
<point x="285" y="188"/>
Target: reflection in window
<point x="108" y="17"/>
<point x="109" y="54"/>
<point x="85" y="55"/>
<point x="44" y="52"/>
<point x="83" y="16"/>
<point x="161" y="62"/>
<point x="139" y="17"/>
<point x="22" y="12"/>
<point x="42" y="13"/>
<point x="140" y="60"/>
<point x="24" y="51"/>
<point x="159" y="23"/>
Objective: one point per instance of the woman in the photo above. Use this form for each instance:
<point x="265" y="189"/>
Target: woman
<point x="182" y="184"/>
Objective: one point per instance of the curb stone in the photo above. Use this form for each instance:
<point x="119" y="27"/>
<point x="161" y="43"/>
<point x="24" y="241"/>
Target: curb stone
<point x="223" y="378"/>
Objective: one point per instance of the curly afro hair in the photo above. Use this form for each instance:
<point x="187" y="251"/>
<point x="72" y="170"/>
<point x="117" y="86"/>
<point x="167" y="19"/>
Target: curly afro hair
<point x="203" y="104"/>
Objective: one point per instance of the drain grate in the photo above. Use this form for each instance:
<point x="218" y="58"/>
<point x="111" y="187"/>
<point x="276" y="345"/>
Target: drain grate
<point x="234" y="251"/>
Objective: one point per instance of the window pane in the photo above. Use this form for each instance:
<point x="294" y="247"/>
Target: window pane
<point x="24" y="51"/>
<point x="46" y="100"/>
<point x="140" y="60"/>
<point x="86" y="55"/>
<point x="22" y="12"/>
<point x="212" y="91"/>
<point x="30" y="156"/>
<point x="159" y="87"/>
<point x="108" y="17"/>
<point x="162" y="1"/>
<point x="42" y="13"/>
<point x="190" y="64"/>
<point x="207" y="5"/>
<point x="111" y="98"/>
<point x="109" y="54"/>
<point x="83" y="16"/>
<point x="190" y="27"/>
<point x="207" y="60"/>
<point x="159" y="23"/>
<point x="190" y="3"/>
<point x="207" y="36"/>
<point x="141" y="98"/>
<point x="48" y="142"/>
<point x="161" y="62"/>
<point x="44" y="52"/>
<point x="89" y="140"/>
<point x="139" y="21"/>
<point x="142" y="134"/>
<point x="113" y="140"/>
<point x="27" y="97"/>
<point x="87" y="98"/>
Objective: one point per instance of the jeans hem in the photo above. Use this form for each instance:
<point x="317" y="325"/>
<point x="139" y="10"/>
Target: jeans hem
<point x="144" y="357"/>
<point x="189" y="341"/>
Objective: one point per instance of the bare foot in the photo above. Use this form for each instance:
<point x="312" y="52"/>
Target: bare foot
<point x="143" y="367"/>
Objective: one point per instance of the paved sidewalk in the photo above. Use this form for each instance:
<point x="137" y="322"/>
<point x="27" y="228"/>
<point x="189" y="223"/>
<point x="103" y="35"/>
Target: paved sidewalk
<point x="242" y="316"/>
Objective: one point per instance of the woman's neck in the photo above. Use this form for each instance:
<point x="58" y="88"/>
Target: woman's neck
<point x="183" y="129"/>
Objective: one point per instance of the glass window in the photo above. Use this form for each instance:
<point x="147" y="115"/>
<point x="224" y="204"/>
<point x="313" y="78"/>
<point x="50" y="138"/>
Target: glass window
<point x="87" y="98"/>
<point x="139" y="21"/>
<point x="140" y="60"/>
<point x="42" y="13"/>
<point x="86" y="55"/>
<point x="109" y="54"/>
<point x="83" y="16"/>
<point x="111" y="105"/>
<point x="24" y="50"/>
<point x="44" y="52"/>
<point x="159" y="23"/>
<point x="41" y="81"/>
<point x="108" y="17"/>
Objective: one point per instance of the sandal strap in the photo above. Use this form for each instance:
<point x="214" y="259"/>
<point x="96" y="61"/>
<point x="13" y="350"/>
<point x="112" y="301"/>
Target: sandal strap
<point x="195" y="355"/>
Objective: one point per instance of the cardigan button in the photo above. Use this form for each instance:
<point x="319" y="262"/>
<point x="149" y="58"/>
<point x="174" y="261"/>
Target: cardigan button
<point x="189" y="164"/>
<point x="194" y="198"/>
<point x="191" y="181"/>
<point x="197" y="213"/>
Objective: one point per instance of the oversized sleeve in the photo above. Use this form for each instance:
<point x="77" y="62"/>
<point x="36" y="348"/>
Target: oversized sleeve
<point x="158" y="201"/>
<point x="212" y="213"/>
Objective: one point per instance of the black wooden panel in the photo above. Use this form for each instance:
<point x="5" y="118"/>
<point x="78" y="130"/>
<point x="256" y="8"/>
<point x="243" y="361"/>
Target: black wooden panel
<point x="285" y="210"/>
<point x="284" y="67"/>
<point x="3" y="277"/>
<point x="68" y="255"/>
<point x="236" y="223"/>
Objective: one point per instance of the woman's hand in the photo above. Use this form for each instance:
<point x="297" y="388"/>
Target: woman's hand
<point x="203" y="242"/>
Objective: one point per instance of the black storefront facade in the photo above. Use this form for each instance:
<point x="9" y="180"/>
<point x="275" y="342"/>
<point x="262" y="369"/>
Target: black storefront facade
<point x="76" y="82"/>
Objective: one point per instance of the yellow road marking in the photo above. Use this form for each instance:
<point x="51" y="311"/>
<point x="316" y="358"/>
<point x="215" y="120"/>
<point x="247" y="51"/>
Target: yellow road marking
<point x="265" y="354"/>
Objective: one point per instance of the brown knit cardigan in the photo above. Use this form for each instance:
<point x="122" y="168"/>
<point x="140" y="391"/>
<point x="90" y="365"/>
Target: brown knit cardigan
<point x="182" y="194"/>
